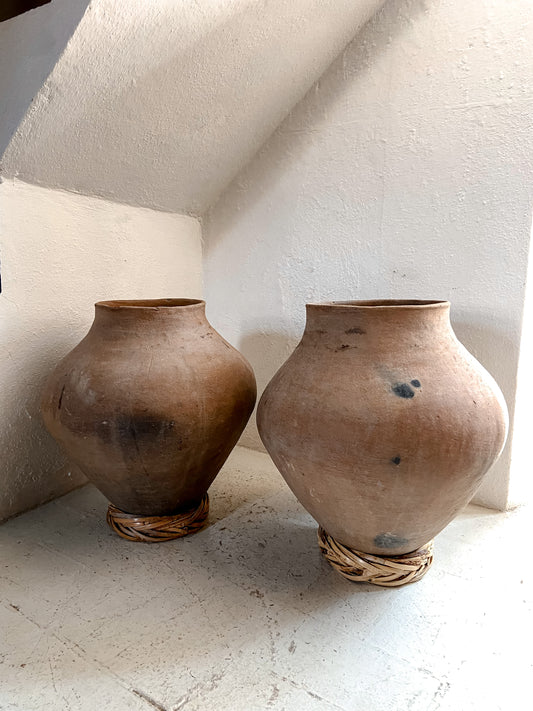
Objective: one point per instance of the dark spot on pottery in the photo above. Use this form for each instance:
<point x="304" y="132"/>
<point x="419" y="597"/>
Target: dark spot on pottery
<point x="389" y="540"/>
<point x="396" y="460"/>
<point x="342" y="348"/>
<point x="416" y="383"/>
<point x="61" y="397"/>
<point x="134" y="433"/>
<point x="403" y="390"/>
<point x="143" y="427"/>
<point x="358" y="331"/>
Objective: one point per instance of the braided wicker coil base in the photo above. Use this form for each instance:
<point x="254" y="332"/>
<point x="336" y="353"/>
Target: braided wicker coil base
<point x="378" y="570"/>
<point x="155" y="529"/>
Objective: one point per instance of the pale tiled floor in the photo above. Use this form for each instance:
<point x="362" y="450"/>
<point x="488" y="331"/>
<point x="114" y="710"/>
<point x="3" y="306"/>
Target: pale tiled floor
<point x="246" y="615"/>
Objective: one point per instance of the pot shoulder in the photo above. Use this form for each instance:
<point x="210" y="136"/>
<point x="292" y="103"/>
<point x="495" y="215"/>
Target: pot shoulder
<point x="162" y="373"/>
<point x="361" y="391"/>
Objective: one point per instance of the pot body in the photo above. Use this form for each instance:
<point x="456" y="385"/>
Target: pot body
<point x="150" y="403"/>
<point x="382" y="423"/>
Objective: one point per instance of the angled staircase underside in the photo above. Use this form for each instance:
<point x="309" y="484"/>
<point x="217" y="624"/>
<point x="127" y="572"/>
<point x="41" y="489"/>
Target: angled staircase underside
<point x="161" y="104"/>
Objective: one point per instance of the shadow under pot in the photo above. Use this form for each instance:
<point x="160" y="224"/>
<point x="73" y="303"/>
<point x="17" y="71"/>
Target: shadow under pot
<point x="149" y="406"/>
<point x="383" y="426"/>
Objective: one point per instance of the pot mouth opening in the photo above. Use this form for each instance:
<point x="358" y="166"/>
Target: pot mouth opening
<point x="386" y="303"/>
<point x="148" y="303"/>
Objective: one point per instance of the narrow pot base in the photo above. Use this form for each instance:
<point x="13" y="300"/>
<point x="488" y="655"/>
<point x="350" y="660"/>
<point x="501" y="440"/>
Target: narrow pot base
<point x="155" y="529"/>
<point x="386" y="571"/>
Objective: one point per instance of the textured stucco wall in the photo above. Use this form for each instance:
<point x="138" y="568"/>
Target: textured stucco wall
<point x="30" y="46"/>
<point x="521" y="484"/>
<point x="61" y="253"/>
<point x="161" y="103"/>
<point x="405" y="172"/>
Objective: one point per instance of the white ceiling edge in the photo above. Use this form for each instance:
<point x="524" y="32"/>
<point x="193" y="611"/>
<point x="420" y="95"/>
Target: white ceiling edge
<point x="162" y="104"/>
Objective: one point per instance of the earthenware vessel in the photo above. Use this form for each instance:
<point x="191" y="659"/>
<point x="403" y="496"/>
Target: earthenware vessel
<point x="382" y="423"/>
<point x="149" y="405"/>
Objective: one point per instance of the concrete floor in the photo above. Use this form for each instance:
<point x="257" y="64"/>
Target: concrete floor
<point x="246" y="615"/>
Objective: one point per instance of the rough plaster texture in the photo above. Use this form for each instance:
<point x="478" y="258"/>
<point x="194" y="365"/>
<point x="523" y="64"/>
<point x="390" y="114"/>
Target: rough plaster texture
<point x="30" y="46"/>
<point x="521" y="482"/>
<point x="160" y="104"/>
<point x="406" y="172"/>
<point x="61" y="253"/>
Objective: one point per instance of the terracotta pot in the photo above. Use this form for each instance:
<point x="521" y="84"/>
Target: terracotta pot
<point x="150" y="404"/>
<point x="381" y="422"/>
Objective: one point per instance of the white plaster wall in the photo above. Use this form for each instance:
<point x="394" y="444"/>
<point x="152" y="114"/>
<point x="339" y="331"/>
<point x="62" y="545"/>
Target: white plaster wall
<point x="61" y="253"/>
<point x="161" y="103"/>
<point x="30" y="45"/>
<point x="521" y="483"/>
<point x="405" y="172"/>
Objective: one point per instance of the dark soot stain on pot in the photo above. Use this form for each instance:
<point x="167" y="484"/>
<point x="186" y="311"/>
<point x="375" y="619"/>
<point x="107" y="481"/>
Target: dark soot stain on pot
<point x="358" y="331"/>
<point x="396" y="460"/>
<point x="389" y="540"/>
<point x="416" y="383"/>
<point x="134" y="429"/>
<point x="403" y="390"/>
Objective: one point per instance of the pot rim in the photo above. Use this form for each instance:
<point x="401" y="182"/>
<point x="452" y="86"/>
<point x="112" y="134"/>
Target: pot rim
<point x="371" y="304"/>
<point x="150" y="303"/>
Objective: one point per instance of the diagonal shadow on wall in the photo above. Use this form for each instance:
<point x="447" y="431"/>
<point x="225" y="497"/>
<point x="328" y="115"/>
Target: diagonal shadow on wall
<point x="30" y="46"/>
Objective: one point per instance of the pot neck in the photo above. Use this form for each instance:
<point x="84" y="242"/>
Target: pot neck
<point x="385" y="320"/>
<point x="159" y="313"/>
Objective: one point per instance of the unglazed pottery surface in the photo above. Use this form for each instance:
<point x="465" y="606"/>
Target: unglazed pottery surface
<point x="150" y="404"/>
<point x="382" y="423"/>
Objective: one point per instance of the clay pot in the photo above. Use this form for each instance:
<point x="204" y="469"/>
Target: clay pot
<point x="150" y="404"/>
<point x="381" y="422"/>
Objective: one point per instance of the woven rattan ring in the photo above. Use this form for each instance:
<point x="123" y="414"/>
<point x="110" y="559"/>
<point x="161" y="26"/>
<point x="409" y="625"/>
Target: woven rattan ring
<point x="154" y="529"/>
<point x="378" y="570"/>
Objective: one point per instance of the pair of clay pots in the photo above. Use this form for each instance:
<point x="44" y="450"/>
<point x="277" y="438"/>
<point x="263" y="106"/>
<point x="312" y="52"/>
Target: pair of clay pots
<point x="380" y="421"/>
